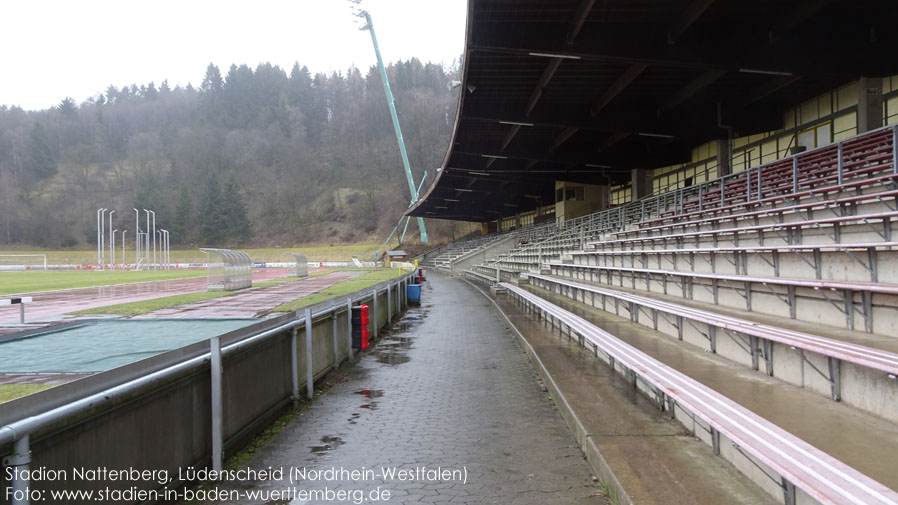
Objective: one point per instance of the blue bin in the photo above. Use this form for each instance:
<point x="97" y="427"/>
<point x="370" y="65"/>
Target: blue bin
<point x="413" y="292"/>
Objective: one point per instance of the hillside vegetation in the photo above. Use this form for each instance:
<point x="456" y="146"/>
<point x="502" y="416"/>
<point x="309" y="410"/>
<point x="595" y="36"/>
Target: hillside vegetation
<point x="250" y="157"/>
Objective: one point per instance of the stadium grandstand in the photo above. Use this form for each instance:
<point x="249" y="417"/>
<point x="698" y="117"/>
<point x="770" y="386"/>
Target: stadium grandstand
<point x="718" y="174"/>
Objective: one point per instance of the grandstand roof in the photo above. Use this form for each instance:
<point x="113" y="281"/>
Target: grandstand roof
<point x="585" y="90"/>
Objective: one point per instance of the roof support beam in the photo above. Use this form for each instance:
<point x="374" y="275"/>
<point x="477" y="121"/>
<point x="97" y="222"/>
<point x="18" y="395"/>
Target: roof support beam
<point x="579" y="18"/>
<point x="787" y="23"/>
<point x="548" y="73"/>
<point x="619" y="85"/>
<point x="694" y="86"/>
<point x="563" y="137"/>
<point x="767" y="89"/>
<point x="689" y="16"/>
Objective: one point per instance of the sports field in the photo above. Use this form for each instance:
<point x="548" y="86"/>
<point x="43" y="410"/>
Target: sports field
<point x="36" y="281"/>
<point x="362" y="250"/>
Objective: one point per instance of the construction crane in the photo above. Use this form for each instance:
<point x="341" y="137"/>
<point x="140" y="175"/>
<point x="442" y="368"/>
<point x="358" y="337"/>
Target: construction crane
<point x="369" y="26"/>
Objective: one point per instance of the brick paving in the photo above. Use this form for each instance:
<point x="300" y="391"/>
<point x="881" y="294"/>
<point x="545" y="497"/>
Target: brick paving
<point x="448" y="388"/>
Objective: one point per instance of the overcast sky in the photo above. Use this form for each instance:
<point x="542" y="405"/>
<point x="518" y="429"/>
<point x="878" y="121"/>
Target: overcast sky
<point x="51" y="49"/>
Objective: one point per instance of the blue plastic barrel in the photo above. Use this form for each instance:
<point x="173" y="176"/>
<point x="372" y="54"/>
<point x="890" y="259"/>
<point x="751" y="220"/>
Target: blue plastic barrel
<point x="413" y="291"/>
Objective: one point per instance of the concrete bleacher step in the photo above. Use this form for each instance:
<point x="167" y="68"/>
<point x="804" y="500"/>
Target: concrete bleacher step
<point x="640" y="455"/>
<point x="856" y="368"/>
<point x="850" y="304"/>
<point x="794" y="409"/>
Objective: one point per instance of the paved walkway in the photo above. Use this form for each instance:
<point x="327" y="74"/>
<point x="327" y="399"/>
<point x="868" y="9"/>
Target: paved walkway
<point x="449" y="389"/>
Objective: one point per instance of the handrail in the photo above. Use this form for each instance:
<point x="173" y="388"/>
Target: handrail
<point x="800" y="464"/>
<point x="18" y="432"/>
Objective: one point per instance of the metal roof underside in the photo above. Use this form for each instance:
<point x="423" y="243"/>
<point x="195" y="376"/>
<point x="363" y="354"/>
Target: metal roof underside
<point x="619" y="84"/>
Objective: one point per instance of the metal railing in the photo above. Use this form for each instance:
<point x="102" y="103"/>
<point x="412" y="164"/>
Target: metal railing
<point x="837" y="162"/>
<point x="66" y="413"/>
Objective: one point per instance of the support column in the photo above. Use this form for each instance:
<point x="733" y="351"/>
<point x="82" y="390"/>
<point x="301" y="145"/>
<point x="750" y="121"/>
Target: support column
<point x="724" y="158"/>
<point x="869" y="104"/>
<point x="604" y="196"/>
<point x="641" y="183"/>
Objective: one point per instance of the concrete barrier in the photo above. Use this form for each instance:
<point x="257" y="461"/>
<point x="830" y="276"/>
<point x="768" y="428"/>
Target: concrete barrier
<point x="156" y="414"/>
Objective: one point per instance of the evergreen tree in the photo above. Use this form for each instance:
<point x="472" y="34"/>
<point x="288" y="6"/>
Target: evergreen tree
<point x="41" y="162"/>
<point x="211" y="218"/>
<point x="235" y="214"/>
<point x="212" y="82"/>
<point x="182" y="226"/>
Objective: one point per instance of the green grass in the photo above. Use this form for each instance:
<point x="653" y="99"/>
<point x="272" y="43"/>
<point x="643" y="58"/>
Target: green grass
<point x="363" y="250"/>
<point x="29" y="282"/>
<point x="273" y="282"/>
<point x="12" y="391"/>
<point x="145" y="306"/>
<point x="340" y="289"/>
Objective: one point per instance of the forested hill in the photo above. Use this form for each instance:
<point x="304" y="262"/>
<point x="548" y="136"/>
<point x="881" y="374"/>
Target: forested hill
<point x="257" y="157"/>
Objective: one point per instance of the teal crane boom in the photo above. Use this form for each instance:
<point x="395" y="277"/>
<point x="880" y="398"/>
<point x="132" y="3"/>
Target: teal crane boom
<point x="396" y="127"/>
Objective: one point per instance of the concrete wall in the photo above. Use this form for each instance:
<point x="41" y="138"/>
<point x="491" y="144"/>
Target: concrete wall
<point x="483" y="254"/>
<point x="167" y="425"/>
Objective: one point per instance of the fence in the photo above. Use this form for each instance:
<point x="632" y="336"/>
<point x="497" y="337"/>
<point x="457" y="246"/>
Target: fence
<point x="189" y="407"/>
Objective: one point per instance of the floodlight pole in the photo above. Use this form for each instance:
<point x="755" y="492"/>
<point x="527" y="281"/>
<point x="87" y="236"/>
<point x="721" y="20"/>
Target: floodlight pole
<point x="112" y="248"/>
<point x="395" y="116"/>
<point x="123" y="248"/>
<point x="111" y="240"/>
<point x="99" y="237"/>
<point x="166" y="247"/>
<point x="137" y="239"/>
<point x="154" y="239"/>
<point x="146" y="250"/>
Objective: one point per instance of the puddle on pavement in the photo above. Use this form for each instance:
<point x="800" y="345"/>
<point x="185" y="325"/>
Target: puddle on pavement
<point x="328" y="444"/>
<point x="370" y="393"/>
<point x="392" y="358"/>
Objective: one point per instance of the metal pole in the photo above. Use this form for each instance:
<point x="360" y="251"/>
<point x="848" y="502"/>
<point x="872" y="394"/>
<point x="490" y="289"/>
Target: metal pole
<point x="310" y="371"/>
<point x="103" y="236"/>
<point x="217" y="433"/>
<point x="123" y="248"/>
<point x="21" y="460"/>
<point x="146" y="249"/>
<point x="99" y="232"/>
<point x="395" y="116"/>
<point x="22" y="313"/>
<point x="895" y="150"/>
<point x="165" y="247"/>
<point x="154" y="239"/>
<point x="840" y="164"/>
<point x="137" y="239"/>
<point x="111" y="240"/>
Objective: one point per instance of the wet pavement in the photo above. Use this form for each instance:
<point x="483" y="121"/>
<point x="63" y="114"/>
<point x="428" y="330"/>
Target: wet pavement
<point x="447" y="401"/>
<point x="53" y="305"/>
<point x="254" y="302"/>
<point x="861" y="440"/>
